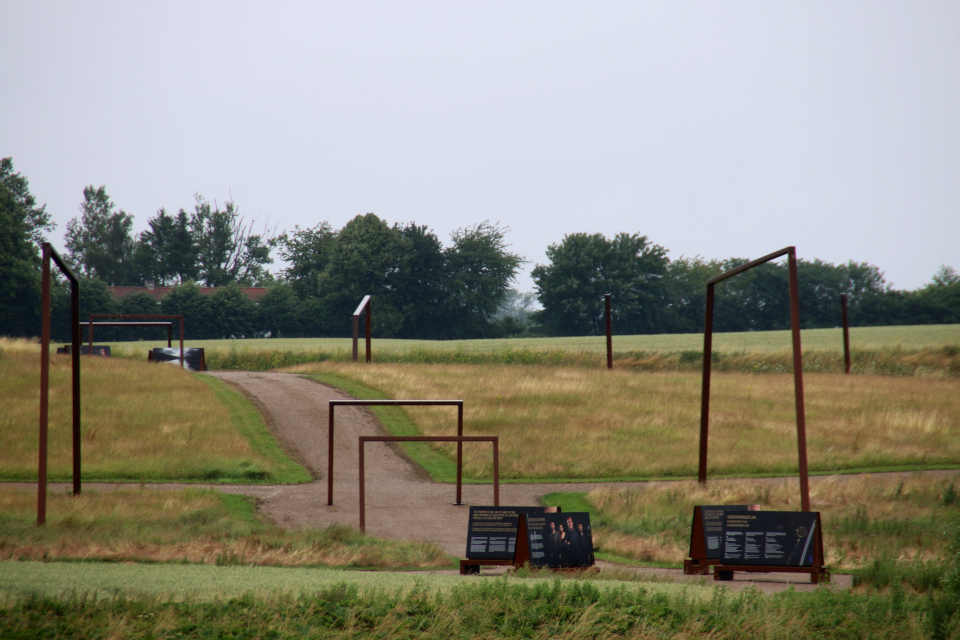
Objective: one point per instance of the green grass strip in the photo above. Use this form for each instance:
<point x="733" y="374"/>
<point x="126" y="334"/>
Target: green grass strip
<point x="249" y="423"/>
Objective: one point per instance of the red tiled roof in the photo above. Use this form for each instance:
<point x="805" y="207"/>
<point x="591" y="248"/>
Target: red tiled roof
<point x="254" y="293"/>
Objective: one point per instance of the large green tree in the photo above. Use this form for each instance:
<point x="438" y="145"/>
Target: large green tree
<point x="583" y="267"/>
<point x="99" y="243"/>
<point x="227" y="248"/>
<point x="22" y="227"/>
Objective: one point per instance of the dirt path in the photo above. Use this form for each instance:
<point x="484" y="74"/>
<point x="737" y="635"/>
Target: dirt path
<point x="402" y="502"/>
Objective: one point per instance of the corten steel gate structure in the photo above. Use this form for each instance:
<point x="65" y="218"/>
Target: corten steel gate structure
<point x="459" y="439"/>
<point x="791" y="253"/>
<point x="364" y="304"/>
<point x="50" y="253"/>
<point x="606" y="299"/>
<point x="846" y="333"/>
<point x="395" y="403"/>
<point x="134" y="316"/>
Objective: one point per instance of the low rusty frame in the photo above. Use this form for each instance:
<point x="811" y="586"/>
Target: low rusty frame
<point x="49" y="253"/>
<point x="460" y="439"/>
<point x="364" y="304"/>
<point x="135" y="316"/>
<point x="791" y="254"/>
<point x="394" y="403"/>
<point x="608" y="314"/>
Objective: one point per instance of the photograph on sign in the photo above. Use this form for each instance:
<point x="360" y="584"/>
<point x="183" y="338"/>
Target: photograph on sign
<point x="560" y="540"/>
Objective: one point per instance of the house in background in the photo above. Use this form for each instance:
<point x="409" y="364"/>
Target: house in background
<point x="119" y="293"/>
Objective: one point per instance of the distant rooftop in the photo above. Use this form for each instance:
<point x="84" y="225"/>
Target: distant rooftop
<point x="119" y="293"/>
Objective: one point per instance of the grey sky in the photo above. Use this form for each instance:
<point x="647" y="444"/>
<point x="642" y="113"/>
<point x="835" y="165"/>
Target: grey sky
<point x="715" y="128"/>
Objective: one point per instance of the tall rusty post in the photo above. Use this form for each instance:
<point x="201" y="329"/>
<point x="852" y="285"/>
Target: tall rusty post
<point x="606" y="298"/>
<point x="368" y="330"/>
<point x="798" y="379"/>
<point x="459" y="501"/>
<point x="364" y="305"/>
<point x="44" y="386"/>
<point x="75" y="379"/>
<point x="846" y="333"/>
<point x="330" y="455"/>
<point x="705" y="388"/>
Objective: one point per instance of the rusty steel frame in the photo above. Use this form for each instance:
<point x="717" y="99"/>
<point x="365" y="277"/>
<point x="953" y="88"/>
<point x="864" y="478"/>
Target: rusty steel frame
<point x="364" y="304"/>
<point x="132" y="316"/>
<point x="791" y="254"/>
<point x="460" y="439"/>
<point x="50" y="253"/>
<point x="846" y="333"/>
<point x="394" y="403"/>
<point x="606" y="299"/>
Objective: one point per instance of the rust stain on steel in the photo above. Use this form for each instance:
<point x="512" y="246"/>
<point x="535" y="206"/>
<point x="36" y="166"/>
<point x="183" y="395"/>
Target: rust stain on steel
<point x="495" y="440"/>
<point x="394" y="403"/>
<point x="791" y="254"/>
<point x="131" y="316"/>
<point x="49" y="253"/>
<point x="364" y="305"/>
<point x="606" y="298"/>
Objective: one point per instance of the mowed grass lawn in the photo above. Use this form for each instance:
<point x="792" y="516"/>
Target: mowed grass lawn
<point x="559" y="423"/>
<point x="140" y="421"/>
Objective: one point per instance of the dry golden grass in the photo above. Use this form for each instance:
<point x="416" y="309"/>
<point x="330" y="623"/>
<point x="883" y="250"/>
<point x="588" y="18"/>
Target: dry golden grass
<point x="864" y="517"/>
<point x="196" y="526"/>
<point x="139" y="420"/>
<point x="556" y="422"/>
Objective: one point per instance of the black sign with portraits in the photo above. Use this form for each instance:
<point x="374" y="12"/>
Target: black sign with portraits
<point x="775" y="538"/>
<point x="560" y="539"/>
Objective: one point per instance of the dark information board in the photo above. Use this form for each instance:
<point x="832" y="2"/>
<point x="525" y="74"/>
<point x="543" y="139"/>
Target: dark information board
<point x="784" y="538"/>
<point x="560" y="539"/>
<point x="713" y="516"/>
<point x="492" y="531"/>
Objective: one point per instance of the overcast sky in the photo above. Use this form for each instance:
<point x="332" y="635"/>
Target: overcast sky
<point x="717" y="129"/>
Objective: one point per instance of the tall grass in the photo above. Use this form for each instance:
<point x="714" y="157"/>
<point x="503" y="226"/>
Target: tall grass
<point x="193" y="525"/>
<point x="484" y="608"/>
<point x="565" y="423"/>
<point x="140" y="421"/>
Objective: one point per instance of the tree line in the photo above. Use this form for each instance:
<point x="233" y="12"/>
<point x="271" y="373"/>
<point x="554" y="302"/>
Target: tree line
<point x="422" y="288"/>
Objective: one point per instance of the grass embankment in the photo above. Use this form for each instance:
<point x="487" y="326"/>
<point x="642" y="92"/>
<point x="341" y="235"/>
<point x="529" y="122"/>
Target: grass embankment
<point x="907" y="350"/>
<point x="484" y="608"/>
<point x="570" y="423"/>
<point x="193" y="526"/>
<point x="140" y="421"/>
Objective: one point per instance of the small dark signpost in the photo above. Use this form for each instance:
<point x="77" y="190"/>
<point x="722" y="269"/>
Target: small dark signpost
<point x="730" y="538"/>
<point x="498" y="536"/>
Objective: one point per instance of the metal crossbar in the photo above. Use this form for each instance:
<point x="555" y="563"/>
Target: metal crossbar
<point x="460" y="439"/>
<point x="135" y="316"/>
<point x="393" y="403"/>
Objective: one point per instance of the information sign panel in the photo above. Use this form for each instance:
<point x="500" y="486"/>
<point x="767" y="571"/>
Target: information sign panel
<point x="775" y="538"/>
<point x="560" y="539"/>
<point x="492" y="531"/>
<point x="713" y="516"/>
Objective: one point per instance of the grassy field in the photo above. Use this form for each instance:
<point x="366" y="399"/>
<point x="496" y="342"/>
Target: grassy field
<point x="139" y="421"/>
<point x="907" y="350"/>
<point x="192" y="525"/>
<point x="560" y="423"/>
<point x="871" y="523"/>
